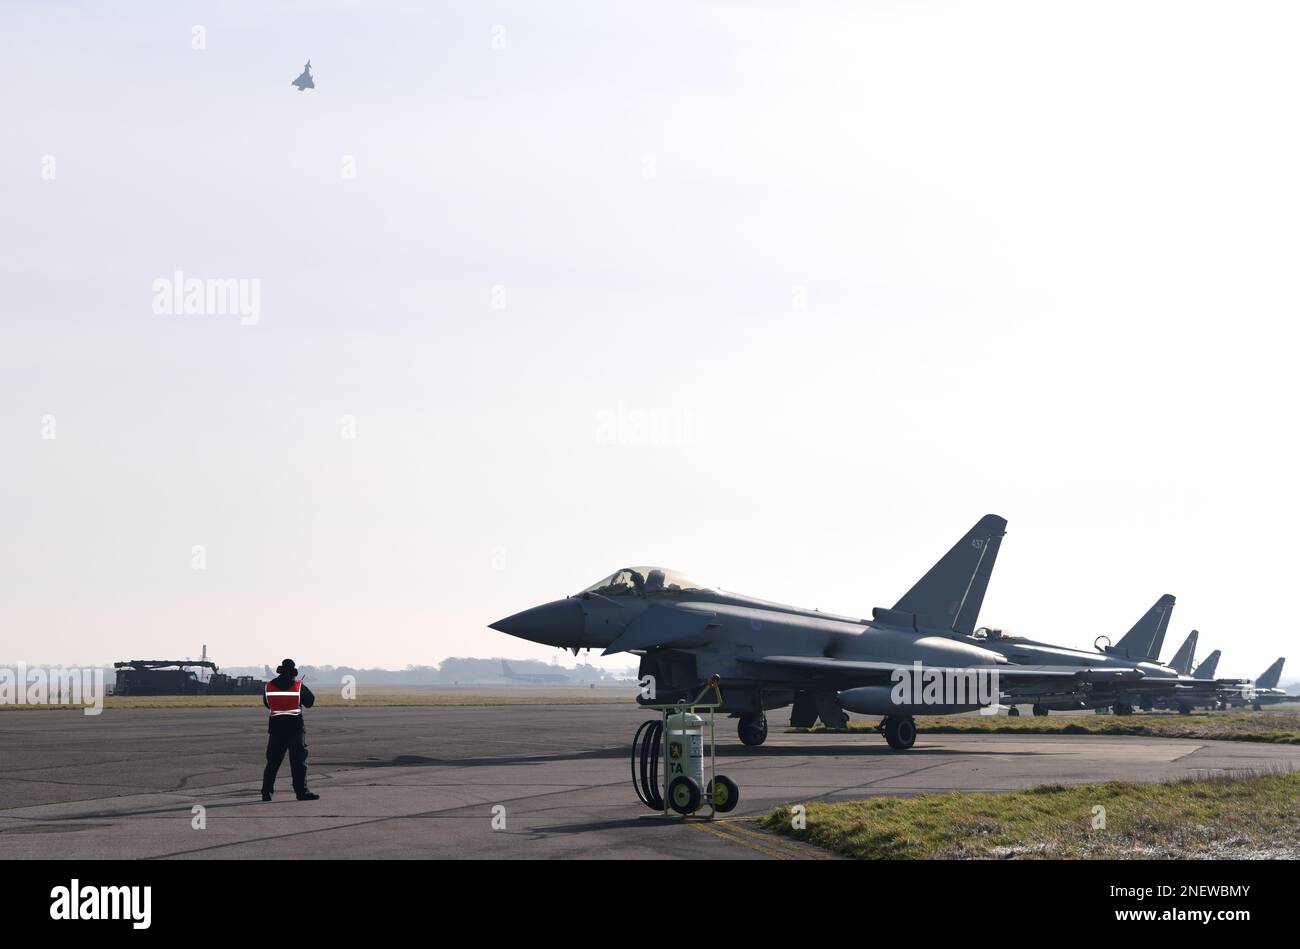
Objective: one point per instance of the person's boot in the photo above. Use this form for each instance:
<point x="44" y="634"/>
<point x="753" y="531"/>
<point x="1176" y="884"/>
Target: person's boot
<point x="308" y="796"/>
<point x="266" y="795"/>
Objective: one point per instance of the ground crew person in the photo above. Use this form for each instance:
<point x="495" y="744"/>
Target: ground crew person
<point x="286" y="697"/>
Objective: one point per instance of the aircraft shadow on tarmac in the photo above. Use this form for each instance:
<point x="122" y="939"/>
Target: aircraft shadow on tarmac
<point x="51" y="827"/>
<point x="730" y="752"/>
<point x="645" y="821"/>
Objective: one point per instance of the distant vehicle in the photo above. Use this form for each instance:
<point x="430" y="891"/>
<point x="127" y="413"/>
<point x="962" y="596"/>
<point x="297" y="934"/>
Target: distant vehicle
<point x="769" y="655"/>
<point x="304" y="80"/>
<point x="175" y="677"/>
<point x="537" y="677"/>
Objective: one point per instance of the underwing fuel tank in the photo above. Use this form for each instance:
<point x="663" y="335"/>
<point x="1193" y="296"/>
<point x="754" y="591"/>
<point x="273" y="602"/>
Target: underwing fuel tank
<point x="919" y="691"/>
<point x="879" y="700"/>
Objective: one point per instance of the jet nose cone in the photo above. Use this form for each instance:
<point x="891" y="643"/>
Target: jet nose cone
<point x="558" y="623"/>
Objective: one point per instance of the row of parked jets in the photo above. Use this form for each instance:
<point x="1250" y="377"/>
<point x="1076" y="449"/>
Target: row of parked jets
<point x="769" y="655"/>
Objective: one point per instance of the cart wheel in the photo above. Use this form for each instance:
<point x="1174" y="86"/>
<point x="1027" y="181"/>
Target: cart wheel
<point x="684" y="795"/>
<point x="724" y="794"/>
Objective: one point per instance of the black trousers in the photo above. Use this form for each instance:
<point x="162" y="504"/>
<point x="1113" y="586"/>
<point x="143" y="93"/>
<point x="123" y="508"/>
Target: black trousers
<point x="277" y="743"/>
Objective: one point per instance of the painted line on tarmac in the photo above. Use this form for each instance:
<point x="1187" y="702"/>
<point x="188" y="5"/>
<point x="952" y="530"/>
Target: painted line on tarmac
<point x="799" y="848"/>
<point x="710" y="828"/>
<point x="734" y="829"/>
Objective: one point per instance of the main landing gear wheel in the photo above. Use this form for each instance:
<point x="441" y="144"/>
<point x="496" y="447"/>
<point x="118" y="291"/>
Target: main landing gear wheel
<point x="752" y="729"/>
<point x="684" y="795"/>
<point x="1013" y="711"/>
<point x="1122" y="708"/>
<point x="724" y="794"/>
<point x="899" y="732"/>
<point x="1039" y="710"/>
<point x="1257" y="707"/>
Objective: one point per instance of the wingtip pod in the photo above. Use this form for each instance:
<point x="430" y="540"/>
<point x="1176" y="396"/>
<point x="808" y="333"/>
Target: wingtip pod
<point x="950" y="594"/>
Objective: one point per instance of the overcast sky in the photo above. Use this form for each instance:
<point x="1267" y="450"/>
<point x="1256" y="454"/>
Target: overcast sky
<point x="785" y="296"/>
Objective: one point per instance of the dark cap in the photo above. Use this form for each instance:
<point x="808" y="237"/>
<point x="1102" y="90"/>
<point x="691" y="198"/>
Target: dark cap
<point x="287" y="668"/>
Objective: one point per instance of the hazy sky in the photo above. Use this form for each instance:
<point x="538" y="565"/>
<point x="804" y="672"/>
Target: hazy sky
<point x="785" y="296"/>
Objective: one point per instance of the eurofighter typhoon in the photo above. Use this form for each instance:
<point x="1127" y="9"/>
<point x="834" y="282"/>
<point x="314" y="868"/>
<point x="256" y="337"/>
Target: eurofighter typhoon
<point x="906" y="660"/>
<point x="1170" y="686"/>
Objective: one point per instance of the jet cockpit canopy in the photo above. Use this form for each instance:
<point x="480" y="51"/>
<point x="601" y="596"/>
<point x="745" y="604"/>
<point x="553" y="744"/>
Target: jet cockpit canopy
<point x="995" y="635"/>
<point x="646" y="581"/>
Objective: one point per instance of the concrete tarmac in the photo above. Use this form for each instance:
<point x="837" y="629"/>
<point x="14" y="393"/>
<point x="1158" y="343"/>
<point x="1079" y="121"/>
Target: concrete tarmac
<point x="421" y="782"/>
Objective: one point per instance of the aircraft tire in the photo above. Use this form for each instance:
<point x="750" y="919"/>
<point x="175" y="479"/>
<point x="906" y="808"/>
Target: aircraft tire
<point x="1039" y="710"/>
<point x="684" y="795"/>
<point x="724" y="794"/>
<point x="1122" y="708"/>
<point x="752" y="729"/>
<point x="1013" y="711"/>
<point x="1257" y="707"/>
<point x="900" y="733"/>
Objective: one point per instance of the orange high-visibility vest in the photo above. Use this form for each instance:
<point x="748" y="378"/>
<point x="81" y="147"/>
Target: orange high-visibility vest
<point x="285" y="703"/>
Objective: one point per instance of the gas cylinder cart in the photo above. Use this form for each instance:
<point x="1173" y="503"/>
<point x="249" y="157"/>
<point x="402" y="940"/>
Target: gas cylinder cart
<point x="677" y="738"/>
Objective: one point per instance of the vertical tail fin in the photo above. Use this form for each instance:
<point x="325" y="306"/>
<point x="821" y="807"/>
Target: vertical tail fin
<point x="1272" y="675"/>
<point x="1182" y="661"/>
<point x="949" y="596"/>
<point x="1142" y="643"/>
<point x="1209" y="667"/>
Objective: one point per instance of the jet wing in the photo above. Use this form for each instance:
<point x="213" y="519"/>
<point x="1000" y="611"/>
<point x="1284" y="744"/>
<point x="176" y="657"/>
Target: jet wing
<point x="1183" y="685"/>
<point x="1016" y="675"/>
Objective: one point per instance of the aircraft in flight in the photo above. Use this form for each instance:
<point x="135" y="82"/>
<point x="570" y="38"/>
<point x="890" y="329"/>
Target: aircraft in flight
<point x="304" y="80"/>
<point x="904" y="661"/>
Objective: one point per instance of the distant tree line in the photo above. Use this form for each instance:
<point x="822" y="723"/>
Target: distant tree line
<point x="457" y="669"/>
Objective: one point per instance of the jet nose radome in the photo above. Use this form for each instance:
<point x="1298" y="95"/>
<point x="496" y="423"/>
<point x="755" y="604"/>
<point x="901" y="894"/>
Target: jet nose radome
<point x="558" y="623"/>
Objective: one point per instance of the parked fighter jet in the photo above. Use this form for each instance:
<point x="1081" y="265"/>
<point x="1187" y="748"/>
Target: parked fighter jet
<point x="1138" y="649"/>
<point x="1182" y="663"/>
<point x="304" y="80"/>
<point x="1206" y="669"/>
<point x="902" y="662"/>
<point x="1263" y="691"/>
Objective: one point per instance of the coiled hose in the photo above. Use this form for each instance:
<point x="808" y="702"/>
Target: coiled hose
<point x="645" y="753"/>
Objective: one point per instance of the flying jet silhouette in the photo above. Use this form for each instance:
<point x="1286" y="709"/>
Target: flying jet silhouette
<point x="304" y="81"/>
